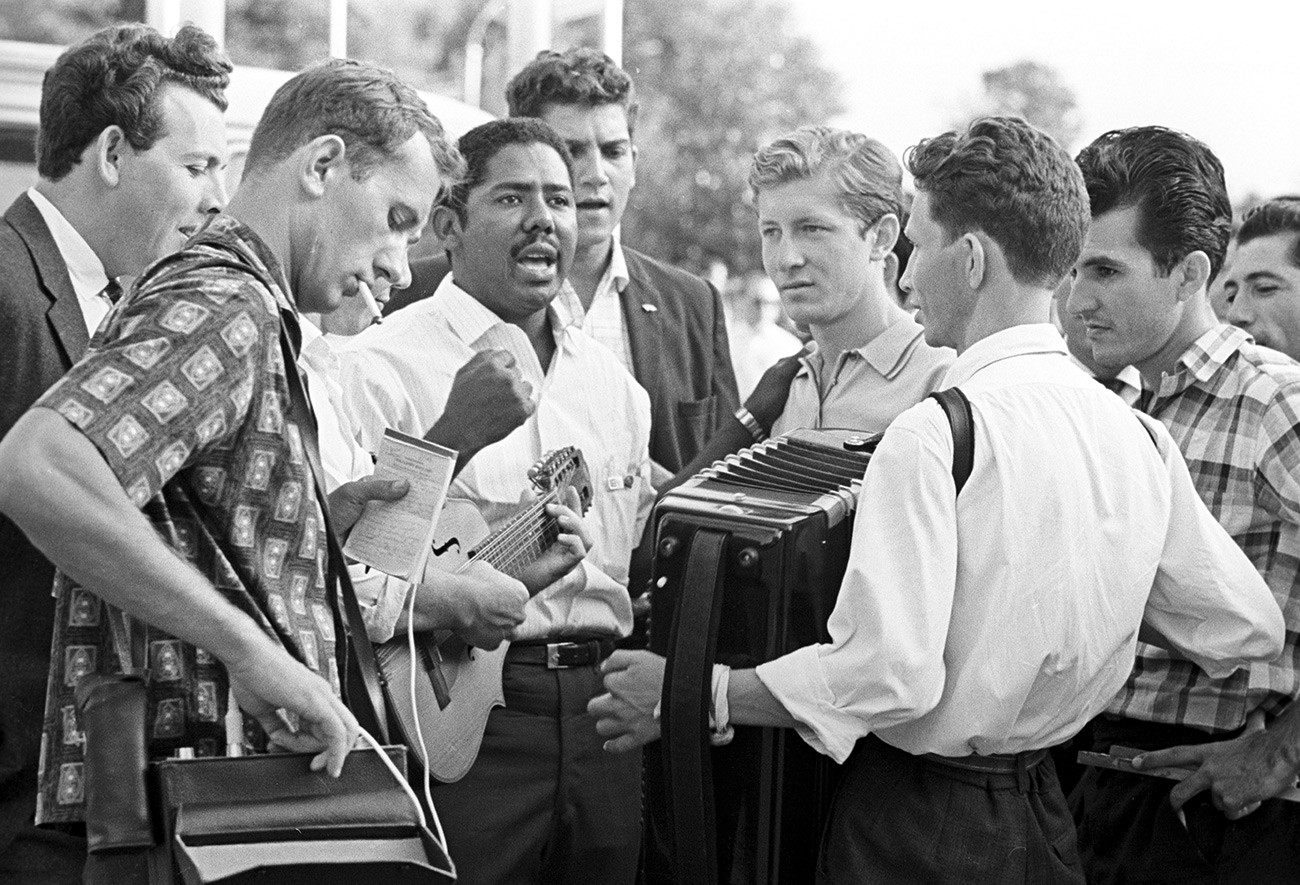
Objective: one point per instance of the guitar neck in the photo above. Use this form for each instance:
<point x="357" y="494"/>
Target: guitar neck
<point x="522" y="540"/>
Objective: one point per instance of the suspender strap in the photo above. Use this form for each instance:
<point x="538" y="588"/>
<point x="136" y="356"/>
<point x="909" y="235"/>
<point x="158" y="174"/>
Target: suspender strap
<point x="363" y="654"/>
<point x="957" y="409"/>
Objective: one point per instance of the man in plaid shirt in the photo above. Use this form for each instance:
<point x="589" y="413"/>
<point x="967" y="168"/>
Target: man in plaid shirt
<point x="1160" y="226"/>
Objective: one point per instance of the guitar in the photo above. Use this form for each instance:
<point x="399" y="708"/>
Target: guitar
<point x="457" y="685"/>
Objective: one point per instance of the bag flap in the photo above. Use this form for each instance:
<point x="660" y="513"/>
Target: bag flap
<point x="351" y="815"/>
<point x="273" y="777"/>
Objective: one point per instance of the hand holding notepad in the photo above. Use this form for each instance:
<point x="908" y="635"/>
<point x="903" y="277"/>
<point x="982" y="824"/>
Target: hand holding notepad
<point x="394" y="536"/>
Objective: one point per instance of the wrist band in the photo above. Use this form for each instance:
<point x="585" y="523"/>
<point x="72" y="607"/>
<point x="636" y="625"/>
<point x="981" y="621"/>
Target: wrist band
<point x="721" y="731"/>
<point x="746" y="417"/>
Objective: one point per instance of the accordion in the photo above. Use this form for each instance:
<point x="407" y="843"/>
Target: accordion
<point x="749" y="555"/>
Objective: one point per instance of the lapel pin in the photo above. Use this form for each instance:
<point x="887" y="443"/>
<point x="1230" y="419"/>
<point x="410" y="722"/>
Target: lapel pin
<point x="649" y="308"/>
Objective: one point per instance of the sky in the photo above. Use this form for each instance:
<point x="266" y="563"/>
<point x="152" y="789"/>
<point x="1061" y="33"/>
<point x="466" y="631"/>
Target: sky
<point x="1226" y="72"/>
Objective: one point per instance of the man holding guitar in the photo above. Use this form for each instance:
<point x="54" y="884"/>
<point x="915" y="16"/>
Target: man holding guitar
<point x="542" y="802"/>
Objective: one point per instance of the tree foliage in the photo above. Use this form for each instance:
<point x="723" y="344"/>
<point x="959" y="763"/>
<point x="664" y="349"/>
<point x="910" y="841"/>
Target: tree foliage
<point x="1037" y="93"/>
<point x="715" y="80"/>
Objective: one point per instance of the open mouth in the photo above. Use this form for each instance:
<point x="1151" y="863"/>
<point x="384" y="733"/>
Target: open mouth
<point x="537" y="261"/>
<point x="592" y="205"/>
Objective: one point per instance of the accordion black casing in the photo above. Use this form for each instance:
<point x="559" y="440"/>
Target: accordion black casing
<point x="749" y="555"/>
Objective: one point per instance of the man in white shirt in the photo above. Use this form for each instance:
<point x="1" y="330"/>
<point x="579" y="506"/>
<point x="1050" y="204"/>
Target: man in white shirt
<point x="974" y="632"/>
<point x="542" y="803"/>
<point x="131" y="153"/>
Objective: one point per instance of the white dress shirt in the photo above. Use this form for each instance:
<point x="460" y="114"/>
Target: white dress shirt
<point x="380" y="597"/>
<point x="399" y="374"/>
<point x="1004" y="619"/>
<point x="84" y="267"/>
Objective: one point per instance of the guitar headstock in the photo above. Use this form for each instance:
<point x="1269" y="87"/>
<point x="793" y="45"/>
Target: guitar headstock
<point x="561" y="469"/>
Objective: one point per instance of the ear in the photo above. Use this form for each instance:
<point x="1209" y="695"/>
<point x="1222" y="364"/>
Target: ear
<point x="882" y="235"/>
<point x="322" y="160"/>
<point x="1192" y="274"/>
<point x="975" y="260"/>
<point x="109" y="148"/>
<point x="446" y="226"/>
<point x="891" y="271"/>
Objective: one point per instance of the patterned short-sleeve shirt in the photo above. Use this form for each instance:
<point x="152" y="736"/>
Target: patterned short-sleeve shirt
<point x="184" y="394"/>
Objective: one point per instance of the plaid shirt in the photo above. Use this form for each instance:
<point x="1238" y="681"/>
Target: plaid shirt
<point x="1234" y="409"/>
<point x="184" y="395"/>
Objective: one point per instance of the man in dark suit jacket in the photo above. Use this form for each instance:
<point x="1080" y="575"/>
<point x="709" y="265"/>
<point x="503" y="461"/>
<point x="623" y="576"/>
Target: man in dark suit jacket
<point x="666" y="325"/>
<point x="105" y="158"/>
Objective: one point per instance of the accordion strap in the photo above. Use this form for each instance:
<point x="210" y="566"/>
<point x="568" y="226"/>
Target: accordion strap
<point x="686" y="700"/>
<point x="956" y="407"/>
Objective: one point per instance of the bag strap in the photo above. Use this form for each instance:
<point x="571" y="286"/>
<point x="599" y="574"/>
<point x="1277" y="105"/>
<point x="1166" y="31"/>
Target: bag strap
<point x="956" y="407"/>
<point x="363" y="653"/>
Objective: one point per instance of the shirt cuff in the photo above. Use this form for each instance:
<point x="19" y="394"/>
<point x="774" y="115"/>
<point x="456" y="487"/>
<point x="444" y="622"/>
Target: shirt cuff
<point x="381" y="598"/>
<point x="796" y="681"/>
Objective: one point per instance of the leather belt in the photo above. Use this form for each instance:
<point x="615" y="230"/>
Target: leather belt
<point x="560" y="655"/>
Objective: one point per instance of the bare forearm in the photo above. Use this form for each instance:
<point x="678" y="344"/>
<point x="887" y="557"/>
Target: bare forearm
<point x="751" y="703"/>
<point x="57" y="487"/>
<point x="730" y="438"/>
<point x="449" y="434"/>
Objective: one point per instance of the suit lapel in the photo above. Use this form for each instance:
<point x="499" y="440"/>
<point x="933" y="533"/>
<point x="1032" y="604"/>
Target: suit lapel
<point x="65" y="316"/>
<point x="642" y="324"/>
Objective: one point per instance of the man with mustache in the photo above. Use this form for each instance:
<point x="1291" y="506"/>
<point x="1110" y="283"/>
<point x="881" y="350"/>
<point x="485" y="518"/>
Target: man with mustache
<point x="131" y="155"/>
<point x="542" y="803"/>
<point x="665" y="325"/>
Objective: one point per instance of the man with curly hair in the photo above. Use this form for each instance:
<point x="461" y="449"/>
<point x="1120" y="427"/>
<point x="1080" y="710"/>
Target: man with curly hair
<point x="131" y="153"/>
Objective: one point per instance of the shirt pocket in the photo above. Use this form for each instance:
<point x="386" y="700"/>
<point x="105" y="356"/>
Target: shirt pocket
<point x="696" y="419"/>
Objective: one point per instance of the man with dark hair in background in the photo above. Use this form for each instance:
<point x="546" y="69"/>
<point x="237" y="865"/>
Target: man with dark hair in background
<point x="1028" y="587"/>
<point x="1261" y="279"/>
<point x="542" y="802"/>
<point x="131" y="150"/>
<point x="167" y="473"/>
<point x="1160" y="226"/>
<point x="665" y="326"/>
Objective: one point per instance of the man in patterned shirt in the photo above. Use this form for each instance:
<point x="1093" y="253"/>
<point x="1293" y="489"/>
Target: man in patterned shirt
<point x="1160" y="227"/>
<point x="166" y="473"/>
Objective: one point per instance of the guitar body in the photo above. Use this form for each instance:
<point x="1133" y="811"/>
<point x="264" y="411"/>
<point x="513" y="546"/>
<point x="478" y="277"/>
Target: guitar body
<point x="452" y="734"/>
<point x="453" y="731"/>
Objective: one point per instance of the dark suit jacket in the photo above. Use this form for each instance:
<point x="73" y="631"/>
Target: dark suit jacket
<point x="679" y="346"/>
<point x="44" y="333"/>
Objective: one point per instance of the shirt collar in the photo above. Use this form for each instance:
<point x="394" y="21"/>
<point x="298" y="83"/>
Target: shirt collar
<point x="317" y="351"/>
<point x="1207" y="355"/>
<point x="568" y="306"/>
<point x="1016" y="341"/>
<point x="470" y="320"/>
<point x="887" y="353"/>
<point x="84" y="267"/>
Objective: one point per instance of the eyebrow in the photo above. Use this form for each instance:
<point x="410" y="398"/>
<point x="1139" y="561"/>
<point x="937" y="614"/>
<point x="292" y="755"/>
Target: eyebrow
<point x="1264" y="275"/>
<point x="1103" y="258"/>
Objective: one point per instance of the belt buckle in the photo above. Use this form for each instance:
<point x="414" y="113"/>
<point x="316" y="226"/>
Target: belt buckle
<point x="553" y="656"/>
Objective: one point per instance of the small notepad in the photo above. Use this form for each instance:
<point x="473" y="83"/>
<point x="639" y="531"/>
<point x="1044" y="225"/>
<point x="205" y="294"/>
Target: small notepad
<point x="394" y="536"/>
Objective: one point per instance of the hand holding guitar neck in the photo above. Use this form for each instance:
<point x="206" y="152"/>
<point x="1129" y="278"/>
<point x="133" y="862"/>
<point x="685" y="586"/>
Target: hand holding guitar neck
<point x="566" y="552"/>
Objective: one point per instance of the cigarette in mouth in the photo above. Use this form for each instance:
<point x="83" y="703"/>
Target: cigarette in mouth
<point x="371" y="304"/>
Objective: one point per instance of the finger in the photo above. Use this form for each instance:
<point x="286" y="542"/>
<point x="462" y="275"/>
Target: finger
<point x="624" y="744"/>
<point x="1180" y="794"/>
<point x="1173" y="757"/>
<point x="363" y="490"/>
<point x="1243" y="811"/>
<point x="621" y="659"/>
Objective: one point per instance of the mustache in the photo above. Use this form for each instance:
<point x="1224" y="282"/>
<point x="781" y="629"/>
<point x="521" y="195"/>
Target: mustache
<point x="547" y="240"/>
